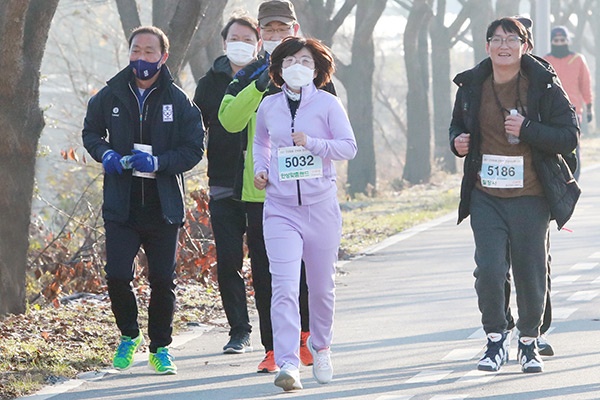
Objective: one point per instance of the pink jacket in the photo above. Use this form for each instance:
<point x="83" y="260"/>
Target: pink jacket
<point x="574" y="75"/>
<point x="323" y="119"/>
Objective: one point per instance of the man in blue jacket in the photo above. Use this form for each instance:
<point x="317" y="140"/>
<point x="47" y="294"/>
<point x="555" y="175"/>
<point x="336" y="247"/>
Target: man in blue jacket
<point x="147" y="133"/>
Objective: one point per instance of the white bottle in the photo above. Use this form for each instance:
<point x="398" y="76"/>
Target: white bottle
<point x="512" y="139"/>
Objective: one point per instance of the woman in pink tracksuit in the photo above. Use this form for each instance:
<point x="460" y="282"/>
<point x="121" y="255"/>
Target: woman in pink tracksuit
<point x="299" y="133"/>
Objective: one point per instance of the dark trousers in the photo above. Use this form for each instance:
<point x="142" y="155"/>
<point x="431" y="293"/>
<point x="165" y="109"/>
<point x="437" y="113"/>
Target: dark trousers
<point x="520" y="225"/>
<point x="547" y="318"/>
<point x="159" y="240"/>
<point x="230" y="219"/>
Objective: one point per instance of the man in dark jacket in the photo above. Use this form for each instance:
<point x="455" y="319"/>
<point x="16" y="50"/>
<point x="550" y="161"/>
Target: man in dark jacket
<point x="230" y="216"/>
<point x="512" y="121"/>
<point x="147" y="133"/>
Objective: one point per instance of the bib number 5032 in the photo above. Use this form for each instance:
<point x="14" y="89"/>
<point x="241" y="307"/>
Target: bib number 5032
<point x="299" y="161"/>
<point x="296" y="162"/>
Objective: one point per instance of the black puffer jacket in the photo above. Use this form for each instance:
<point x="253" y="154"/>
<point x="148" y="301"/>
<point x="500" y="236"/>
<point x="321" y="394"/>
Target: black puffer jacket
<point x="551" y="129"/>
<point x="174" y="125"/>
<point x="224" y="151"/>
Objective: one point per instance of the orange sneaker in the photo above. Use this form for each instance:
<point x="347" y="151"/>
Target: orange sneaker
<point x="267" y="365"/>
<point x="306" y="357"/>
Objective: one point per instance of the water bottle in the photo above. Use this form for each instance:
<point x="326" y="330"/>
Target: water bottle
<point x="512" y="139"/>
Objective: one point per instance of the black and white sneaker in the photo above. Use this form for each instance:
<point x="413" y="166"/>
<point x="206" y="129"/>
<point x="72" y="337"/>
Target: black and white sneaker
<point x="529" y="357"/>
<point x="496" y="353"/>
<point x="238" y="343"/>
<point x="544" y="347"/>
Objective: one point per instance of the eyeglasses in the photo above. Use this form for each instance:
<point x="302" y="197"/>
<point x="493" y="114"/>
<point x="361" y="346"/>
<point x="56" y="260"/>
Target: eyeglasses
<point x="280" y="31"/>
<point x="304" y="60"/>
<point x="511" y="41"/>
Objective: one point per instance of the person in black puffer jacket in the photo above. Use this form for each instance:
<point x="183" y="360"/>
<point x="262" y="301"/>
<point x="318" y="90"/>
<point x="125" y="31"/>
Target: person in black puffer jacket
<point x="512" y="122"/>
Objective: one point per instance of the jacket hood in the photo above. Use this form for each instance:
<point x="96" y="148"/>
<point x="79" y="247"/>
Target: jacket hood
<point x="222" y="66"/>
<point x="537" y="70"/>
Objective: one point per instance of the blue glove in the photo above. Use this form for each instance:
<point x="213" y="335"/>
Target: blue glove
<point x="111" y="161"/>
<point x="143" y="162"/>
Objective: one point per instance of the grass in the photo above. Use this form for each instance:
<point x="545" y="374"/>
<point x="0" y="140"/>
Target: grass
<point x="47" y="344"/>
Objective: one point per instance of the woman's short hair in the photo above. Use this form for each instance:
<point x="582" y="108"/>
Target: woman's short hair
<point x="324" y="63"/>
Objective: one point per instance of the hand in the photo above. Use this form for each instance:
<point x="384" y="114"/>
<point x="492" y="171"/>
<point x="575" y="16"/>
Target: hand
<point x="590" y="113"/>
<point x="143" y="162"/>
<point x="260" y="180"/>
<point x="461" y="143"/>
<point x="299" y="138"/>
<point x="263" y="81"/>
<point x="512" y="124"/>
<point x="111" y="161"/>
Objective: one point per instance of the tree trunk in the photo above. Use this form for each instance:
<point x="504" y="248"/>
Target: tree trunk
<point x="482" y="15"/>
<point x="418" y="138"/>
<point x="207" y="43"/>
<point x="130" y="17"/>
<point x="358" y="81"/>
<point x="442" y="104"/>
<point x="317" y="19"/>
<point x="23" y="32"/>
<point x="506" y="8"/>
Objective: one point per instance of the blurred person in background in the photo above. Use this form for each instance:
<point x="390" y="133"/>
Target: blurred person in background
<point x="574" y="74"/>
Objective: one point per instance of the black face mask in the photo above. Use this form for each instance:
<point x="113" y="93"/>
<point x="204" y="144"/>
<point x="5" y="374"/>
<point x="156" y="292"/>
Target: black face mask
<point x="560" y="51"/>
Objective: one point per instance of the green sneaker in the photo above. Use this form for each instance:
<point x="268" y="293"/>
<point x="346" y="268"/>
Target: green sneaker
<point x="162" y="362"/>
<point x="123" y="358"/>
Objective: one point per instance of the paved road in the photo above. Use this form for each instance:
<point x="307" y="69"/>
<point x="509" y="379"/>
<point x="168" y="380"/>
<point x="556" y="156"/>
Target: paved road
<point x="407" y="327"/>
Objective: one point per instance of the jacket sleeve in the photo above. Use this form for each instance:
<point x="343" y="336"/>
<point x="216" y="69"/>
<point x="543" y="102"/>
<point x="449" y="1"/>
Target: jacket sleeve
<point x="585" y="81"/>
<point x="236" y="112"/>
<point x="94" y="134"/>
<point x="342" y="145"/>
<point x="188" y="145"/>
<point x="242" y="98"/>
<point x="261" y="149"/>
<point x="457" y="123"/>
<point x="557" y="131"/>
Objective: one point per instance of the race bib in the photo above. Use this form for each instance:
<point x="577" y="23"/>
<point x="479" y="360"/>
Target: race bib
<point x="502" y="172"/>
<point x="298" y="163"/>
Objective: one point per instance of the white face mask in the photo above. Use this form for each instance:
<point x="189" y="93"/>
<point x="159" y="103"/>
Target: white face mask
<point x="269" y="45"/>
<point x="297" y="75"/>
<point x="240" y="53"/>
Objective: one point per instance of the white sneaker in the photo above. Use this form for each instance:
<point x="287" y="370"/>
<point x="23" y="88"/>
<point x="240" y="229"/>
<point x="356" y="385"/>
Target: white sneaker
<point x="288" y="377"/>
<point x="322" y="368"/>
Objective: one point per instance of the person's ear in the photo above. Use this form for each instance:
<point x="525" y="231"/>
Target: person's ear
<point x="164" y="58"/>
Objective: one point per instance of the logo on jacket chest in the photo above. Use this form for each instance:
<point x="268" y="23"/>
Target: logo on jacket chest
<point x="167" y="112"/>
<point x="115" y="111"/>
